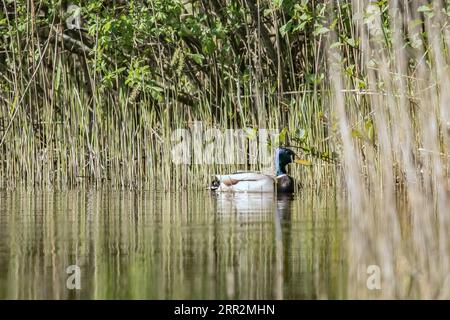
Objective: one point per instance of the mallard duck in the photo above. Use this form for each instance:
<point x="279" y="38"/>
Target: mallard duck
<point x="260" y="182"/>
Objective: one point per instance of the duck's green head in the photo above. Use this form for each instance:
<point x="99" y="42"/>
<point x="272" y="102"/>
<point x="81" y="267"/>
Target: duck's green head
<point x="284" y="156"/>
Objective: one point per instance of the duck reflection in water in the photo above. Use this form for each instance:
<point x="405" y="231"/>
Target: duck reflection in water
<point x="284" y="206"/>
<point x="254" y="204"/>
<point x="248" y="209"/>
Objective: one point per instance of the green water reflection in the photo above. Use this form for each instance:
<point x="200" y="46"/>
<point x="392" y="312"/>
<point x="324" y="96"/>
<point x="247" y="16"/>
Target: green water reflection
<point x="192" y="245"/>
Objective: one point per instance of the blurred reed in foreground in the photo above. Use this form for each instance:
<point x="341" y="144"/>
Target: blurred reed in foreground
<point x="397" y="174"/>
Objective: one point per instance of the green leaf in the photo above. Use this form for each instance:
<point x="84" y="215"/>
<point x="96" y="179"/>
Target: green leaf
<point x="356" y="133"/>
<point x="362" y="84"/>
<point x="352" y="42"/>
<point x="107" y="26"/>
<point x="301" y="26"/>
<point x="368" y="126"/>
<point x="427" y="10"/>
<point x="277" y="3"/>
<point x="424" y="8"/>
<point x="349" y="70"/>
<point x="285" y="29"/>
<point x="335" y="45"/>
<point x="321" y="30"/>
<point x="197" y="57"/>
<point x="282" y="136"/>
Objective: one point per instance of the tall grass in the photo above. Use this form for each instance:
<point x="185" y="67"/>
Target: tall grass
<point x="60" y="124"/>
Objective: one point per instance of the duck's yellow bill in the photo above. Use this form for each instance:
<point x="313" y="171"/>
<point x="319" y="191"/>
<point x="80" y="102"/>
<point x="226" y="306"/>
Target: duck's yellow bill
<point x="303" y="162"/>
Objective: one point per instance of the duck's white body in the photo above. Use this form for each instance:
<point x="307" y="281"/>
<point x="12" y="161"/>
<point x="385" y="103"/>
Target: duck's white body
<point x="246" y="182"/>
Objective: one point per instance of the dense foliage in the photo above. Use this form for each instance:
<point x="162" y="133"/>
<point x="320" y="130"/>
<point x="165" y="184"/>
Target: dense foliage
<point x="175" y="50"/>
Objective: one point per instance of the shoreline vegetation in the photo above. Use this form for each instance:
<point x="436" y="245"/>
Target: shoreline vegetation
<point x="91" y="92"/>
<point x="98" y="102"/>
<point x="367" y="82"/>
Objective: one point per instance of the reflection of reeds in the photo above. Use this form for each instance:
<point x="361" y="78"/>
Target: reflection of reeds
<point x="148" y="245"/>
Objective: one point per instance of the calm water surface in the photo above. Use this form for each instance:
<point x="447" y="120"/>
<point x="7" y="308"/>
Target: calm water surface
<point x="192" y="245"/>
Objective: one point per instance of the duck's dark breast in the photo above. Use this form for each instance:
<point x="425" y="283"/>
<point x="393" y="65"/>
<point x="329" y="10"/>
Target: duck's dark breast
<point x="285" y="184"/>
